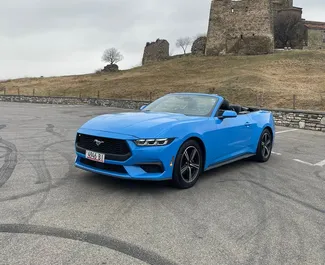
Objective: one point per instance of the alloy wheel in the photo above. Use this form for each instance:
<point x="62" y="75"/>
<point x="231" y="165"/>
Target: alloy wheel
<point x="266" y="145"/>
<point x="190" y="164"/>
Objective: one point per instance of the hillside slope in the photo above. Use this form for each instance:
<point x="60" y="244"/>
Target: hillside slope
<point x="274" y="78"/>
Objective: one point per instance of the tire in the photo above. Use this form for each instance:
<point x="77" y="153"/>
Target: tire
<point x="188" y="165"/>
<point x="264" y="148"/>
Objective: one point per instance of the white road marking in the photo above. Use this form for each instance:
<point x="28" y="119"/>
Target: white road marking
<point x="321" y="163"/>
<point x="287" y="131"/>
<point x="303" y="162"/>
<point x="278" y="154"/>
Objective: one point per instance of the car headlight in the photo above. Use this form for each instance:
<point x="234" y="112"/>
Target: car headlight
<point x="153" y="142"/>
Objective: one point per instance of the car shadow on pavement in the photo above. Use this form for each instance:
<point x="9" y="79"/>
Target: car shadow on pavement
<point x="112" y="184"/>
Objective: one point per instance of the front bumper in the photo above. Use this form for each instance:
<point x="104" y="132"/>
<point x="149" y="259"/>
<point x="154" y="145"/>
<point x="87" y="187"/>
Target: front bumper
<point x="145" y="163"/>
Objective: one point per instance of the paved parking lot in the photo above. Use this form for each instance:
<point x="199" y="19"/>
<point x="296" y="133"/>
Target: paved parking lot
<point x="243" y="213"/>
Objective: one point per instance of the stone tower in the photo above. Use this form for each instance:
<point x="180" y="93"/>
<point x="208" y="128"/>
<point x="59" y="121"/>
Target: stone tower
<point x="278" y="5"/>
<point x="240" y="27"/>
<point x="281" y="4"/>
<point x="155" y="51"/>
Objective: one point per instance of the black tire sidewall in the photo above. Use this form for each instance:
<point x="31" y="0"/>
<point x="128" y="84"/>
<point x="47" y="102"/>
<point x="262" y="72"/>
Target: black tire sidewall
<point x="177" y="178"/>
<point x="259" y="156"/>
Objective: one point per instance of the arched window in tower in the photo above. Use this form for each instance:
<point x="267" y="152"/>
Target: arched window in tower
<point x="232" y="10"/>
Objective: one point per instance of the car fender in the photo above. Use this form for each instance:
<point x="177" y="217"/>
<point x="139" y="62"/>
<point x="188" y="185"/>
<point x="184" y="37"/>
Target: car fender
<point x="259" y="132"/>
<point x="196" y="136"/>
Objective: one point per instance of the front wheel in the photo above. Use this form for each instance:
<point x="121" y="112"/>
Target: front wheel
<point x="188" y="165"/>
<point x="264" y="147"/>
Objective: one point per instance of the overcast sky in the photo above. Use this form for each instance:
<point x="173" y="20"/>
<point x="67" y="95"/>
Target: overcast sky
<point x="63" y="37"/>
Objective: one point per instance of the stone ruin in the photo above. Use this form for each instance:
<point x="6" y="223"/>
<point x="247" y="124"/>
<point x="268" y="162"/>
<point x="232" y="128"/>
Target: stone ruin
<point x="156" y="51"/>
<point x="198" y="47"/>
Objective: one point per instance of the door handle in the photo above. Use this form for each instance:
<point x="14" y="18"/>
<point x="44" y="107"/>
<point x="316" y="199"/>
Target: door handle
<point x="247" y="124"/>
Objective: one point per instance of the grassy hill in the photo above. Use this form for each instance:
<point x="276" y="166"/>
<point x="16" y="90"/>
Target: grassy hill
<point x="270" y="80"/>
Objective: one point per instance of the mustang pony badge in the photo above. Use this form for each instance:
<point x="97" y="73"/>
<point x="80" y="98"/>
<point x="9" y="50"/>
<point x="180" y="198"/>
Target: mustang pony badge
<point x="98" y="143"/>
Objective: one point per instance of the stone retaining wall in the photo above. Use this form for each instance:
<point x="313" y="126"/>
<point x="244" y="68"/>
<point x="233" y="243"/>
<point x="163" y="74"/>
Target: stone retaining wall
<point x="116" y="103"/>
<point x="309" y="120"/>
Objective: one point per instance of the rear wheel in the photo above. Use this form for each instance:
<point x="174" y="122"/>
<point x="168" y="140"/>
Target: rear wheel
<point x="264" y="147"/>
<point x="188" y="165"/>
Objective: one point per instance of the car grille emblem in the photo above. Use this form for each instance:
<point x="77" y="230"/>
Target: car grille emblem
<point x="98" y="143"/>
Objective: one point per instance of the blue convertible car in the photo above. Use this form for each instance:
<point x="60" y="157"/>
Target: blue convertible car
<point x="176" y="137"/>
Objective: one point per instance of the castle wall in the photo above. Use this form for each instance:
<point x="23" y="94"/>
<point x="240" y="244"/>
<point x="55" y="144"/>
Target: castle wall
<point x="282" y="4"/>
<point x="240" y="27"/>
<point x="315" y="39"/>
<point x="315" y="35"/>
<point x="156" y="51"/>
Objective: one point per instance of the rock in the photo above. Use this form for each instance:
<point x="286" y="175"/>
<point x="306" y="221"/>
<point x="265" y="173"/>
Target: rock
<point x="302" y="125"/>
<point x="322" y="121"/>
<point x="111" y="68"/>
<point x="199" y="45"/>
<point x="223" y="52"/>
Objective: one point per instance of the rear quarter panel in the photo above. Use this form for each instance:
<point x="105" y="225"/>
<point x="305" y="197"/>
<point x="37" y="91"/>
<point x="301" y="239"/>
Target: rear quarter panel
<point x="261" y="120"/>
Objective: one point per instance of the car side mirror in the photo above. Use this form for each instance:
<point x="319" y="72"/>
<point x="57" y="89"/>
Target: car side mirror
<point x="228" y="114"/>
<point x="142" y="107"/>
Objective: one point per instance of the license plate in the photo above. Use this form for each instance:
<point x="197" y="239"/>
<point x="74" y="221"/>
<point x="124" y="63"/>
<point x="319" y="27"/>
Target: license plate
<point x="98" y="157"/>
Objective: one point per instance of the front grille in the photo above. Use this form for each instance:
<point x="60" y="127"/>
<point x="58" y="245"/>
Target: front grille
<point x="109" y="145"/>
<point x="114" y="149"/>
<point x="108" y="167"/>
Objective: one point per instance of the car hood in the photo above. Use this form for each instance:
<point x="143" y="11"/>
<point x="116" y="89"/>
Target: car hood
<point x="137" y="124"/>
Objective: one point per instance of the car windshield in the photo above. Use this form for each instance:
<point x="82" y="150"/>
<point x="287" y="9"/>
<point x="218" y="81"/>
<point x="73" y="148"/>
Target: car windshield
<point x="191" y="105"/>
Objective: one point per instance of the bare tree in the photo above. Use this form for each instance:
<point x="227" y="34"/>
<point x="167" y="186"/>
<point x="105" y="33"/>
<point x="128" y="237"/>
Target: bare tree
<point x="183" y="43"/>
<point x="112" y="56"/>
<point x="288" y="30"/>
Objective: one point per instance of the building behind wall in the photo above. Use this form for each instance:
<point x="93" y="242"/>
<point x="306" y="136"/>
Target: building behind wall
<point x="314" y="32"/>
<point x="314" y="35"/>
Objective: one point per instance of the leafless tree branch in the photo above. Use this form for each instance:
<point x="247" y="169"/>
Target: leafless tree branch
<point x="183" y="43"/>
<point x="112" y="56"/>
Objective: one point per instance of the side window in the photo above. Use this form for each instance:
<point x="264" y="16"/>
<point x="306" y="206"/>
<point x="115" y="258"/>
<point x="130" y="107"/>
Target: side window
<point x="224" y="106"/>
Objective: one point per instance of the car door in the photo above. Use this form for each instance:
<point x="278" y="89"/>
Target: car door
<point x="232" y="136"/>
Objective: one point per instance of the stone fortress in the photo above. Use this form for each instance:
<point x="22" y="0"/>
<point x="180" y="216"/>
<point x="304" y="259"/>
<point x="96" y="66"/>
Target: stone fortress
<point x="243" y="27"/>
<point x="240" y="27"/>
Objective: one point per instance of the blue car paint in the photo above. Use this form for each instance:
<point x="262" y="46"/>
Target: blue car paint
<point x="223" y="139"/>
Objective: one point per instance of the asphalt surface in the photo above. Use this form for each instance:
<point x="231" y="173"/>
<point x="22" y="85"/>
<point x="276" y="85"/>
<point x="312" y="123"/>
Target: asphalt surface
<point x="243" y="213"/>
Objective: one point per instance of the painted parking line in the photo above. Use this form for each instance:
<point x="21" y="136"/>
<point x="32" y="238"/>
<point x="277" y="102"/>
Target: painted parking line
<point x="321" y="163"/>
<point x="304" y="162"/>
<point x="292" y="130"/>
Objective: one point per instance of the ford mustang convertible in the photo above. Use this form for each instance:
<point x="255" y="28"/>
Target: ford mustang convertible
<point x="176" y="138"/>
